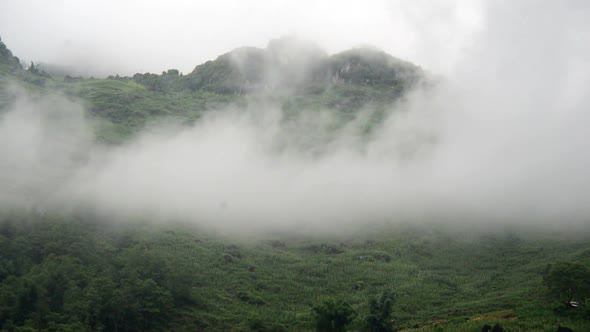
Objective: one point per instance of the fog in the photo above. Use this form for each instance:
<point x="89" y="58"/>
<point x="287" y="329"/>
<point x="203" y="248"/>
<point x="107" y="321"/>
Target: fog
<point x="104" y="37"/>
<point x="501" y="139"/>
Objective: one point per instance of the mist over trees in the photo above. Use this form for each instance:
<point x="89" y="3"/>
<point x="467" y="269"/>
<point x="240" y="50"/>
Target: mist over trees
<point x="290" y="188"/>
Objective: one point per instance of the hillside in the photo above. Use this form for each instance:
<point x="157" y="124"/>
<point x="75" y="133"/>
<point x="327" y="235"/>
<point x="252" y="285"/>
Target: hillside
<point x="73" y="267"/>
<point x="306" y="79"/>
<point x="77" y="274"/>
<point x="292" y="66"/>
<point x="8" y="62"/>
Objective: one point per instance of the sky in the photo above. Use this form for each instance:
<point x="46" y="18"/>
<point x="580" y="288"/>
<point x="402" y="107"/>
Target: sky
<point x="128" y="36"/>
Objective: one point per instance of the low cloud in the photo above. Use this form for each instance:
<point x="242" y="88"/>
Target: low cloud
<point x="502" y="139"/>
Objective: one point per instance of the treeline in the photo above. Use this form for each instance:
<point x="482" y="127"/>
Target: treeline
<point x="82" y="273"/>
<point x="75" y="276"/>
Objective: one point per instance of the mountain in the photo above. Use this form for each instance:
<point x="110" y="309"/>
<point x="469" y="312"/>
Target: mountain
<point x="293" y="66"/>
<point x="289" y="72"/>
<point x="87" y="270"/>
<point x="11" y="68"/>
<point x="8" y="62"/>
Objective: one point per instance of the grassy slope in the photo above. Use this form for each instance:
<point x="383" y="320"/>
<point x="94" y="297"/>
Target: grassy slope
<point x="125" y="106"/>
<point x="440" y="275"/>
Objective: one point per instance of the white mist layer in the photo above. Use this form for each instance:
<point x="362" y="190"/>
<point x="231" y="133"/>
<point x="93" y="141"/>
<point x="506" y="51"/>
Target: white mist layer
<point x="503" y="139"/>
<point x="252" y="169"/>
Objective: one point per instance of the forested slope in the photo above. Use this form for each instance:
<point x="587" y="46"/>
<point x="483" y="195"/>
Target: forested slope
<point x="78" y="270"/>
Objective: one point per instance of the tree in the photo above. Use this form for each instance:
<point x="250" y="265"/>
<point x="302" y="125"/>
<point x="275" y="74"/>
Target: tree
<point x="332" y="316"/>
<point x="379" y="318"/>
<point x="34" y="69"/>
<point x="568" y="281"/>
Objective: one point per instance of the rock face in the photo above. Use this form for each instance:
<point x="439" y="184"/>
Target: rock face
<point x="8" y="62"/>
<point x="289" y="64"/>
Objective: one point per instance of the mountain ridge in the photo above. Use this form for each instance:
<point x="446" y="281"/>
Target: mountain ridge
<point x="293" y="74"/>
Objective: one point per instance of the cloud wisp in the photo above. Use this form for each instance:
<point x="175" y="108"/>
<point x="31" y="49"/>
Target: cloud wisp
<point x="501" y="139"/>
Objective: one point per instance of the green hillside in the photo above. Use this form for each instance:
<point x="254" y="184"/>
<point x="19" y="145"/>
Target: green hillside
<point x="75" y="274"/>
<point x="9" y="64"/>
<point x="310" y="79"/>
<point x="77" y="271"/>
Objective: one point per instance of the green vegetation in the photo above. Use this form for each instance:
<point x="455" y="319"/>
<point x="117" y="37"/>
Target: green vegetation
<point x="332" y="316"/>
<point x="10" y="67"/>
<point x="311" y="80"/>
<point x="9" y="64"/>
<point x="569" y="281"/>
<point x="379" y="318"/>
<point x="80" y="273"/>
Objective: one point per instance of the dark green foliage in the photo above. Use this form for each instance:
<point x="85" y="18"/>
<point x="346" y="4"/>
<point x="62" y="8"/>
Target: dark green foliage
<point x="332" y="316"/>
<point x="260" y="325"/>
<point x="569" y="281"/>
<point x="59" y="273"/>
<point x="64" y="275"/>
<point x="379" y="318"/>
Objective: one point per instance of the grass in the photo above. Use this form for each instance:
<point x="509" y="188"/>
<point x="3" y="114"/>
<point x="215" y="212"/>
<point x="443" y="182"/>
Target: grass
<point x="435" y="276"/>
<point x="124" y="107"/>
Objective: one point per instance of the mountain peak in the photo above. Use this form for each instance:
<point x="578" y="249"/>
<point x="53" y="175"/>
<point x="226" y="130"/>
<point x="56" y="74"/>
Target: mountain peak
<point x="289" y="64"/>
<point x="8" y="62"/>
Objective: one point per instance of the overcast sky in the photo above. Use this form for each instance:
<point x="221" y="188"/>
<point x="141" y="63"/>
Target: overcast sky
<point x="128" y="36"/>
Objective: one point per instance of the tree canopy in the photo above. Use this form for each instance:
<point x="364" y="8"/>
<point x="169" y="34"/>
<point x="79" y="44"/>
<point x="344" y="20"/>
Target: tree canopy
<point x="569" y="281"/>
